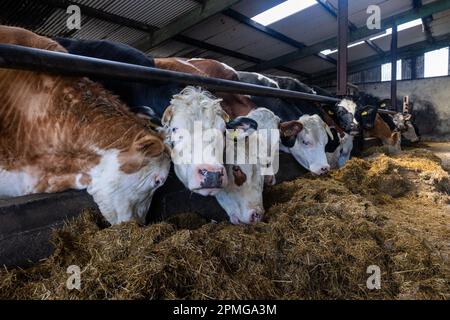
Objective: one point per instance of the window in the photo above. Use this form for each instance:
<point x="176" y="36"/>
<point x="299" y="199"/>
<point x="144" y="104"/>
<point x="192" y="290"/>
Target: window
<point x="282" y="11"/>
<point x="436" y="63"/>
<point x="386" y="70"/>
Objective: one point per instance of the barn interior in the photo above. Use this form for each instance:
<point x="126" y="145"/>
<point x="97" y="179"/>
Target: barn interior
<point x="319" y="234"/>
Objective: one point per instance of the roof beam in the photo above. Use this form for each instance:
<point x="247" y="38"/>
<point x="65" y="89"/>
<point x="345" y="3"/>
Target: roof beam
<point x="425" y="21"/>
<point x="360" y="33"/>
<point x="327" y="6"/>
<point x="234" y="54"/>
<point x="195" y="16"/>
<point x="272" y="33"/>
<point x="372" y="61"/>
<point x="119" y="20"/>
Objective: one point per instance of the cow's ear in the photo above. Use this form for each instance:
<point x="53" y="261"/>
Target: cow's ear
<point x="290" y="128"/>
<point x="396" y="137"/>
<point x="328" y="130"/>
<point x="225" y="116"/>
<point x="244" y="127"/>
<point x="150" y="145"/>
<point x="167" y="116"/>
<point x="239" y="176"/>
<point x="289" y="131"/>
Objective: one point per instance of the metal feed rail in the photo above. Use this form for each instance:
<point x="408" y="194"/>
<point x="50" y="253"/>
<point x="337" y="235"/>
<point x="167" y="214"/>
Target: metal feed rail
<point x="18" y="57"/>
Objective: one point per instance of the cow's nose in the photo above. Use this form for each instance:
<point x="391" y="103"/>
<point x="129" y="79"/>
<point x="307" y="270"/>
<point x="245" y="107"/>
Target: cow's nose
<point x="211" y="179"/>
<point x="255" y="216"/>
<point x="325" y="169"/>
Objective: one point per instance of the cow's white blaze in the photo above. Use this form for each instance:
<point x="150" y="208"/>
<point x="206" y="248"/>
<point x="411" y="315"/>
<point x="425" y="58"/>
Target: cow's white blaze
<point x="309" y="148"/>
<point x="123" y="197"/>
<point x="243" y="202"/>
<point x="195" y="107"/>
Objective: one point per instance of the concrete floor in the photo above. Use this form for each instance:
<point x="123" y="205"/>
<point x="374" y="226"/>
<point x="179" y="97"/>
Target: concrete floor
<point x="442" y="150"/>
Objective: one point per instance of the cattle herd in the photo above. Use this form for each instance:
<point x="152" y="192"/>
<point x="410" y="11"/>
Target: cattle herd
<point x="117" y="139"/>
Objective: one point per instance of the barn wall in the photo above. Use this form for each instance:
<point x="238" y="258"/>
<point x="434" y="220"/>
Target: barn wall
<point x="431" y="103"/>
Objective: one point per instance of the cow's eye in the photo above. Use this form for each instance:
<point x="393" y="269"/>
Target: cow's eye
<point x="174" y="130"/>
<point x="306" y="143"/>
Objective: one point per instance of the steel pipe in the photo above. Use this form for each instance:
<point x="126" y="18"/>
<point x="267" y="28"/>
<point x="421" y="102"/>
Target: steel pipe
<point x="25" y="58"/>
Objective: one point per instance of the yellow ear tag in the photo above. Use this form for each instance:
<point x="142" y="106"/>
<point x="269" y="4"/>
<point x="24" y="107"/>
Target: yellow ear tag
<point x="383" y="105"/>
<point x="234" y="134"/>
<point x="330" y="113"/>
<point x="364" y="113"/>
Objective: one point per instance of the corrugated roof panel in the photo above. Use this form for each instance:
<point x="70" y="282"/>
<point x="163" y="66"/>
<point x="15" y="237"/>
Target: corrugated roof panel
<point x="153" y="12"/>
<point x="441" y="23"/>
<point x="126" y="35"/>
<point x="309" y="65"/>
<point x="309" y="26"/>
<point x="56" y="24"/>
<point x="405" y="37"/>
<point x="96" y="29"/>
<point x="227" y="33"/>
<point x="251" y="8"/>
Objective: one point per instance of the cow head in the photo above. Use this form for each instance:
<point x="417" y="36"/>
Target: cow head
<point x="306" y="139"/>
<point x="194" y="125"/>
<point x="341" y="154"/>
<point x="345" y="110"/>
<point x="404" y="124"/>
<point x="242" y="198"/>
<point x="391" y="139"/>
<point x="124" y="181"/>
<point x="366" y="115"/>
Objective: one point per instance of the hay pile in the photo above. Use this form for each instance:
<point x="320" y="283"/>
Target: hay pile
<point x="319" y="237"/>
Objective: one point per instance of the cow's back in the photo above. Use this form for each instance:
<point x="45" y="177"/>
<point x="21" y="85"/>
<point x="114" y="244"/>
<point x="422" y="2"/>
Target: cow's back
<point x="154" y="94"/>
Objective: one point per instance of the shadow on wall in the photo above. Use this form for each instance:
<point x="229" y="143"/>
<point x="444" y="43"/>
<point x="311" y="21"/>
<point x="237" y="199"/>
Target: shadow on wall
<point x="426" y="117"/>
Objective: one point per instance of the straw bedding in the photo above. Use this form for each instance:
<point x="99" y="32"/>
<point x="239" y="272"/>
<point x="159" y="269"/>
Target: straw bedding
<point x="318" y="238"/>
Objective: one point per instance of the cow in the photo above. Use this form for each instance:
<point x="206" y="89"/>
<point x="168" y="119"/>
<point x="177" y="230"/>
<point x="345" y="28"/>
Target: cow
<point x="373" y="124"/>
<point x="327" y="142"/>
<point x="235" y="105"/>
<point x="305" y="138"/>
<point x="59" y="133"/>
<point x="242" y="198"/>
<point x="179" y="108"/>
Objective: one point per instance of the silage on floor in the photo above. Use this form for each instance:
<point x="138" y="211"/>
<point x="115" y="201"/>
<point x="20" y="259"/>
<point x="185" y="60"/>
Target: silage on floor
<point x="318" y="238"/>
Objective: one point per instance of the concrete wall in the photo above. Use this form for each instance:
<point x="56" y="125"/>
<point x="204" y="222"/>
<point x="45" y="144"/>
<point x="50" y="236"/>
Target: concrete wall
<point x="430" y="100"/>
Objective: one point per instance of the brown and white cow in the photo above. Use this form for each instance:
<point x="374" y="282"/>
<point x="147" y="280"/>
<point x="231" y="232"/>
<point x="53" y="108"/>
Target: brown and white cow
<point x="59" y="133"/>
<point x="373" y="125"/>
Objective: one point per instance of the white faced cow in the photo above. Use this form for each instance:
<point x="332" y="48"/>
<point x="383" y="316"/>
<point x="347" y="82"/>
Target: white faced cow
<point x="188" y="121"/>
<point x="242" y="198"/>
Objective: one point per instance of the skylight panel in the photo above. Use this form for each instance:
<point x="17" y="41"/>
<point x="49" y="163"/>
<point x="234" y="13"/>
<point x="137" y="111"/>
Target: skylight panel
<point x="282" y="11"/>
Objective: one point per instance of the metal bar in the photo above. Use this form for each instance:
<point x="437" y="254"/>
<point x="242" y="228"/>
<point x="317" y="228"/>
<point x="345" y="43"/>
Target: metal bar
<point x="342" y="47"/>
<point x="387" y="111"/>
<point x="18" y="57"/>
<point x="328" y="7"/>
<point x="394" y="43"/>
<point x="360" y="33"/>
<point x="414" y="68"/>
<point x="417" y="4"/>
<point x="405" y="52"/>
<point x="272" y="33"/>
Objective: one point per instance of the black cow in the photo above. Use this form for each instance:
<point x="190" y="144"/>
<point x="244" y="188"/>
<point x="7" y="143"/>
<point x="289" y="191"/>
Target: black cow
<point x="138" y="96"/>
